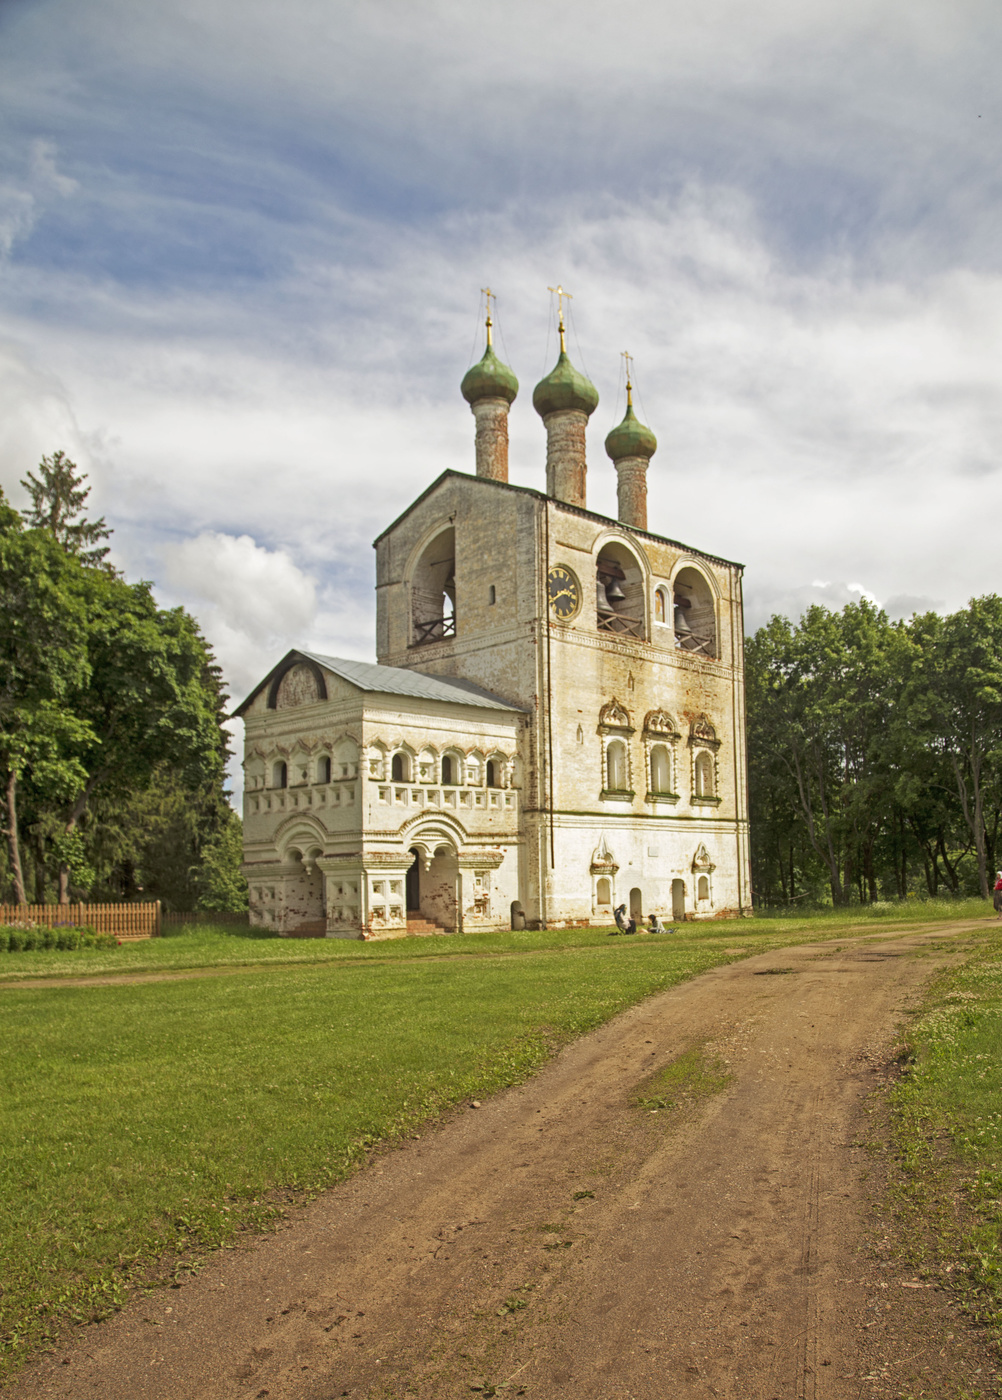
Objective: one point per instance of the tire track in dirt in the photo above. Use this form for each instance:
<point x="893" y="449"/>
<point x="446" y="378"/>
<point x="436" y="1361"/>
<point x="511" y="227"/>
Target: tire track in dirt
<point x="562" y="1241"/>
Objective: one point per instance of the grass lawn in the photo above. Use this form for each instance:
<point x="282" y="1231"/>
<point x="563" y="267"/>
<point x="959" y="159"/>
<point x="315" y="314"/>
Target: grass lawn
<point x="948" y="1135"/>
<point x="150" y="1120"/>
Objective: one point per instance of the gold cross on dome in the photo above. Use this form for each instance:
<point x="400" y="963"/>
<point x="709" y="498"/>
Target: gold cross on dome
<point x="559" y="293"/>
<point x="490" y="296"/>
<point x="629" y="361"/>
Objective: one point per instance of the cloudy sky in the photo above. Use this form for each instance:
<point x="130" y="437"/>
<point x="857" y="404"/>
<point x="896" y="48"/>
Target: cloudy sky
<point x="242" y="246"/>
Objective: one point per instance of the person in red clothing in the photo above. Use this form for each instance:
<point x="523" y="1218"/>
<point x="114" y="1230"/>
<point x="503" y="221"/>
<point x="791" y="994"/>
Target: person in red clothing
<point x="997" y="895"/>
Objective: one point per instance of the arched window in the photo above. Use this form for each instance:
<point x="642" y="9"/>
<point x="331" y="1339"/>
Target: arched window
<point x="492" y="774"/>
<point x="704" y="775"/>
<point x="603" y="891"/>
<point x="660" y="769"/>
<point x="661" y="605"/>
<point x="324" y="769"/>
<point x="280" y="775"/>
<point x="400" y="769"/>
<point x="447" y="767"/>
<point x="703" y="887"/>
<point x="616" y="766"/>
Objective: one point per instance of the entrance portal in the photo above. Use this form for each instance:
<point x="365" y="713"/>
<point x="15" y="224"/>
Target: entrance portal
<point x="636" y="906"/>
<point x="678" y="899"/>
<point x="439" y="890"/>
<point x="413" y="881"/>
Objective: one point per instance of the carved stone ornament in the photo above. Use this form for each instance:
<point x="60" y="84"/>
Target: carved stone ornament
<point x="703" y="733"/>
<point x="701" y="861"/>
<point x="660" y="722"/>
<point x="614" y="716"/>
<point x="603" y="862"/>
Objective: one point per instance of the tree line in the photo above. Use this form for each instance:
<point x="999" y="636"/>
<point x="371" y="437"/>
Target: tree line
<point x="875" y="754"/>
<point x="112" y="746"/>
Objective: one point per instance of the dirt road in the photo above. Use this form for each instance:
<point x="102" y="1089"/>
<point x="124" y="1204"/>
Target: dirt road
<point x="564" y="1241"/>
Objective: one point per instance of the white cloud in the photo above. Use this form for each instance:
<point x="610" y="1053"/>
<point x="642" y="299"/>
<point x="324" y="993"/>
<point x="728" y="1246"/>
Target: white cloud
<point x="814" y="424"/>
<point x="251" y="602"/>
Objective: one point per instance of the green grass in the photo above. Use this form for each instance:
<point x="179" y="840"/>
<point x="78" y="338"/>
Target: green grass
<point x="209" y="945"/>
<point x="690" y="1078"/>
<point x="143" y="1123"/>
<point x="947" y="1119"/>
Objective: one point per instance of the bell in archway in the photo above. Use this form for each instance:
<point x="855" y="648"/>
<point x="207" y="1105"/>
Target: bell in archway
<point x="681" y="621"/>
<point x="601" y="598"/>
<point x="614" y="593"/>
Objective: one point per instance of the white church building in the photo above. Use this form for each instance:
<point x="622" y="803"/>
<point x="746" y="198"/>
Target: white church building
<point x="555" y="725"/>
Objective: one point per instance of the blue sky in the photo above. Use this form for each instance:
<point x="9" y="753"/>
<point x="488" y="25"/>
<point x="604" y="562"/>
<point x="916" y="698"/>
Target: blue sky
<point x="242" y="246"/>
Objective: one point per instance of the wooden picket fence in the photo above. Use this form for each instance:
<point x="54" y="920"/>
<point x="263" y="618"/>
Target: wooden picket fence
<point x="125" y="921"/>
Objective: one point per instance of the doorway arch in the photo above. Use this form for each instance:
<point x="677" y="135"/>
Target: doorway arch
<point x="678" y="899"/>
<point x="636" y="905"/>
<point x="413" y="882"/>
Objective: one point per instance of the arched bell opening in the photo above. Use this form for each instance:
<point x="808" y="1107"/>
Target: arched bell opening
<point x="433" y="591"/>
<point x="620" y="590"/>
<point x="695" y="613"/>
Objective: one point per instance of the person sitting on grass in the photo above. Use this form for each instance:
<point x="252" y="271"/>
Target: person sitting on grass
<point x="656" y="925"/>
<point x="623" y="924"/>
<point x="997" y="895"/>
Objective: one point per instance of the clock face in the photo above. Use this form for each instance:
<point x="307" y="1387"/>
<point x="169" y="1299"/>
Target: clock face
<point x="564" y="592"/>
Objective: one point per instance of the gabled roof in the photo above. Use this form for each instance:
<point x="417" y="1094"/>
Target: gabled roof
<point x="489" y="484"/>
<point x="386" y="680"/>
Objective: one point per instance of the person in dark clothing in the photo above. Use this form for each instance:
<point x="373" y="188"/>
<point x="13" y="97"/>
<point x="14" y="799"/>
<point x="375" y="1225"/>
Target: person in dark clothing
<point x="622" y="923"/>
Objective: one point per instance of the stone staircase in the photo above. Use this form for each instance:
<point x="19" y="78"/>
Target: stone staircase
<point x="417" y="927"/>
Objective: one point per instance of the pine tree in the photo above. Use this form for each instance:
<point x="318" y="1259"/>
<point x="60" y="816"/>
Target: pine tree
<point x="57" y="498"/>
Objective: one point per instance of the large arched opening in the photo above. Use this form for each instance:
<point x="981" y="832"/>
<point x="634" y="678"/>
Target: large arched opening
<point x="433" y="879"/>
<point x="620" y="591"/>
<point x="433" y="591"/>
<point x="305" y="913"/>
<point x="695" y="613"/>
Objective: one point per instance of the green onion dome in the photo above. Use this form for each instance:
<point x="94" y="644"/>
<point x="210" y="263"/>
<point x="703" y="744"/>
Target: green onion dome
<point x="489" y="379"/>
<point x="564" y="387"/>
<point x="631" y="438"/>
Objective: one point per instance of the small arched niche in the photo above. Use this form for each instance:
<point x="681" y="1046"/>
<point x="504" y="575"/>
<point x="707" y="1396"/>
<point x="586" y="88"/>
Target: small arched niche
<point x="616" y="767"/>
<point x="695" y="613"/>
<point x="433" y="591"/>
<point x="660" y="770"/>
<point x="703" y="775"/>
<point x="280" y="774"/>
<point x="620" y="590"/>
